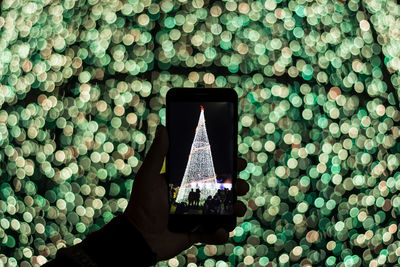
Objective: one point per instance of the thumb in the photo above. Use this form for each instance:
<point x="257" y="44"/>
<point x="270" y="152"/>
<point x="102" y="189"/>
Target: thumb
<point x="155" y="156"/>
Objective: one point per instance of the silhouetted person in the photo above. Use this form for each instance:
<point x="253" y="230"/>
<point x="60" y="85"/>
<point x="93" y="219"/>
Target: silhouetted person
<point x="191" y="197"/>
<point x="181" y="208"/>
<point x="197" y="198"/>
<point x="207" y="205"/>
<point x="171" y="194"/>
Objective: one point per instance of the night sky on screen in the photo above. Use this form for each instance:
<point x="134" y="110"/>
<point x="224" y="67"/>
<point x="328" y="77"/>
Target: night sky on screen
<point x="183" y="121"/>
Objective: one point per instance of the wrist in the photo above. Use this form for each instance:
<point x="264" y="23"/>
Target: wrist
<point x="113" y="238"/>
<point x="148" y="237"/>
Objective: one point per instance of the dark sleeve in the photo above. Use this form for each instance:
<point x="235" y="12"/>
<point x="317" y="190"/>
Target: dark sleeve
<point x="118" y="243"/>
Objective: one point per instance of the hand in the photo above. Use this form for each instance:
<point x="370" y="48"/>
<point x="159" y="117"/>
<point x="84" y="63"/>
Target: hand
<point x="148" y="206"/>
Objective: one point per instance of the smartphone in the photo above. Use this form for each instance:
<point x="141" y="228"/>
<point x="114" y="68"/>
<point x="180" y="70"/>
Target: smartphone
<point x="201" y="164"/>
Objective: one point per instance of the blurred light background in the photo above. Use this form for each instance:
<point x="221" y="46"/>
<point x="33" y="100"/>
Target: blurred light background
<point x="82" y="89"/>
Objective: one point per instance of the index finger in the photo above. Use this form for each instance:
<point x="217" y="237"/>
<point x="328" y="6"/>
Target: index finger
<point x="154" y="159"/>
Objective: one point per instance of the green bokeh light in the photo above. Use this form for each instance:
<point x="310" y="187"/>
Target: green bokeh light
<point x="83" y="86"/>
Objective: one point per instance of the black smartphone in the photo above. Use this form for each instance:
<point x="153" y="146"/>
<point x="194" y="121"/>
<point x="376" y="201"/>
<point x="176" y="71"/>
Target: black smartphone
<point x="201" y="163"/>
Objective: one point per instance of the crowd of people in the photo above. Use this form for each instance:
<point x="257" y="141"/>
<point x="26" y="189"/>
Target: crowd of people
<point x="220" y="203"/>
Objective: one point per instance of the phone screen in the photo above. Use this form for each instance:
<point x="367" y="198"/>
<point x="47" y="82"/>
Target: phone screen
<point x="200" y="158"/>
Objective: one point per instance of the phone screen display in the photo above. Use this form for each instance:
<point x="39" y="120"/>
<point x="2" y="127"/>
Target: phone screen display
<point x="200" y="158"/>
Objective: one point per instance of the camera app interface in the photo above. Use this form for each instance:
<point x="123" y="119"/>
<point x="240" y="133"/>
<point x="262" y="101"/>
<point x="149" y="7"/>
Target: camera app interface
<point x="200" y="160"/>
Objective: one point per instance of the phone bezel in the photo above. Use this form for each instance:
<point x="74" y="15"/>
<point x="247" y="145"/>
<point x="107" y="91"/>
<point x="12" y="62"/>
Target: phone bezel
<point x="204" y="223"/>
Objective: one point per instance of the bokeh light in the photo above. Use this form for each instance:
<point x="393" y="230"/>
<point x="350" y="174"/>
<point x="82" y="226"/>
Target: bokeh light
<point x="83" y="86"/>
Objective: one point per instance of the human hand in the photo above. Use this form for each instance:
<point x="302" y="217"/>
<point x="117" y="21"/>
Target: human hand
<point x="148" y="206"/>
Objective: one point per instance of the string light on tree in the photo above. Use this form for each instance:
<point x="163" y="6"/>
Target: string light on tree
<point x="199" y="172"/>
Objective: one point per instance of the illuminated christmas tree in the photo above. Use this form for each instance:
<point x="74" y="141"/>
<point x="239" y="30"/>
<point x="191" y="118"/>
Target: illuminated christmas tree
<point x="199" y="172"/>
